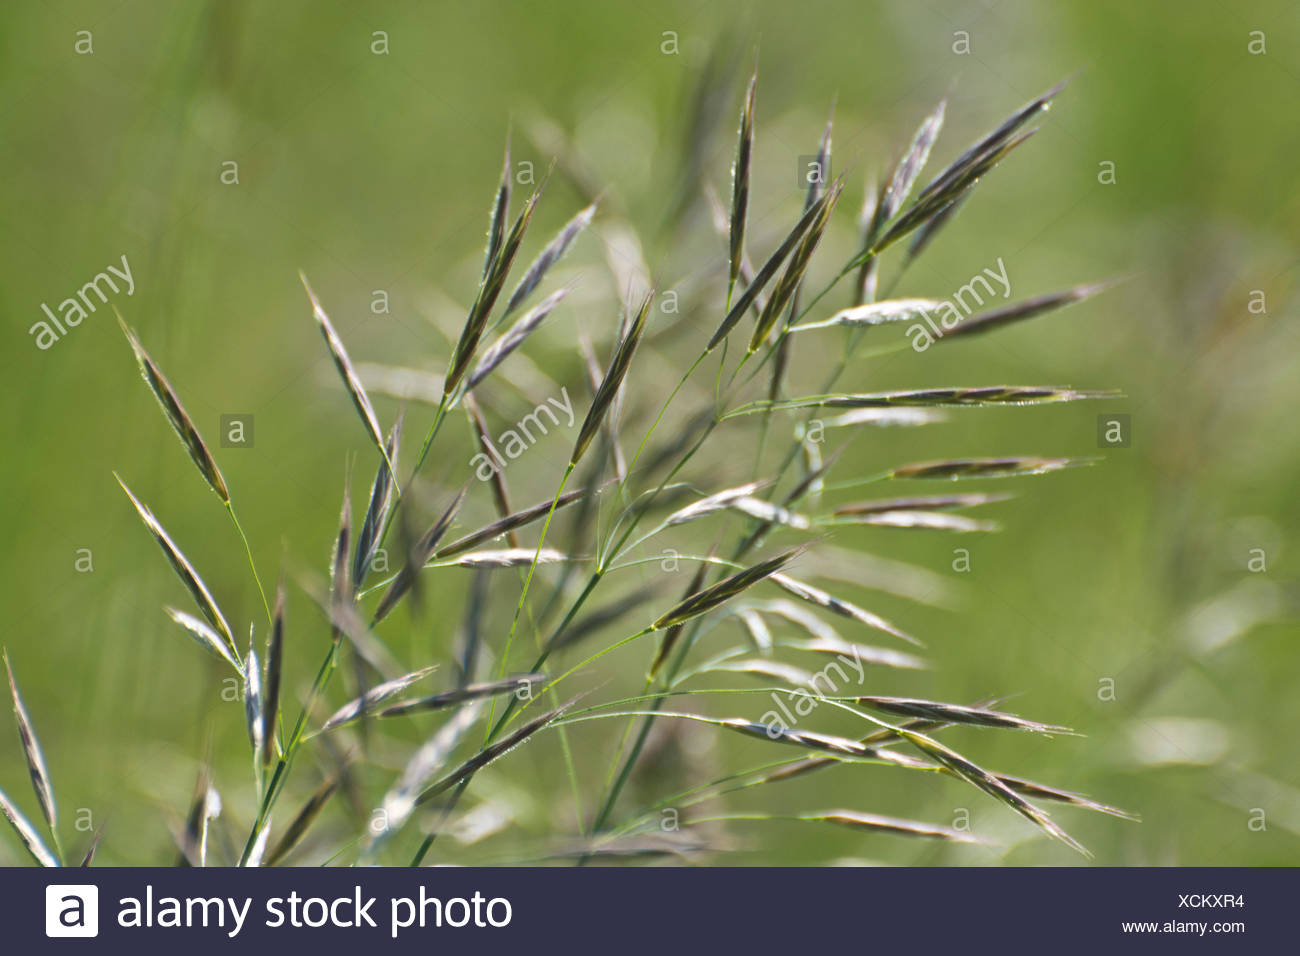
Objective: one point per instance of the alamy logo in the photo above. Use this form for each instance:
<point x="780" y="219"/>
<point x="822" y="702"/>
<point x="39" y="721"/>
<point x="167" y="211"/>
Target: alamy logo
<point x="71" y="910"/>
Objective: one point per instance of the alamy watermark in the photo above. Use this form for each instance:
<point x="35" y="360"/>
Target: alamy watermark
<point x="951" y="311"/>
<point x="805" y="699"/>
<point x="76" y="307"/>
<point x="513" y="442"/>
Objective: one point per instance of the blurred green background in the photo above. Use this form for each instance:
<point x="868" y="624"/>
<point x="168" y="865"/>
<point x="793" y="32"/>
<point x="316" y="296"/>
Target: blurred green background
<point x="373" y="171"/>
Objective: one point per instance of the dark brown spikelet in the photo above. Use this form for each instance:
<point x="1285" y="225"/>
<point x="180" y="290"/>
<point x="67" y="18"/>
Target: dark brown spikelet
<point x="957" y="714"/>
<point x="490" y="753"/>
<point x="986" y="467"/>
<point x="725" y="590"/>
<point x="1020" y="311"/>
<point x="36" y="768"/>
<point x="302" y="821"/>
<point x="613" y="380"/>
<point x="740" y="183"/>
<point x="459" y="695"/>
<point x="420" y="553"/>
<point x="176" y="415"/>
<point x="1029" y="788"/>
<point x="274" y="670"/>
<point x="674" y="633"/>
<point x="981" y="395"/>
<point x="919" y="503"/>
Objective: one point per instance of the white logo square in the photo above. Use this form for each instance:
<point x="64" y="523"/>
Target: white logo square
<point x="71" y="910"/>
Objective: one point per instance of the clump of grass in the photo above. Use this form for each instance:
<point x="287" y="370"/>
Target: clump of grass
<point x="477" y="720"/>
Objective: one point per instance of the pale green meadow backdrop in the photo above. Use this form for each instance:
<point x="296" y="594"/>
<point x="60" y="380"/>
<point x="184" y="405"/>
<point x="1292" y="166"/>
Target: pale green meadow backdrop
<point x="1149" y="601"/>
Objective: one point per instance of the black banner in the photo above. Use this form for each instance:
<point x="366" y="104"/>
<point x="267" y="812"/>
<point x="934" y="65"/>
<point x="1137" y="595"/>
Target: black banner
<point x="335" y="910"/>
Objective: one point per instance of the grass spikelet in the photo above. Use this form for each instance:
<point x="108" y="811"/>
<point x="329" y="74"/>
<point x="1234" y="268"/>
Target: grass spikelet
<point x="420" y="553"/>
<point x="875" y="313"/>
<point x="205" y="637"/>
<point x="928" y="520"/>
<point x="351" y="381"/>
<point x="506" y="525"/>
<point x="379" y="508"/>
<point x="376" y="695"/>
<point x="274" y="668"/>
<point x="500" y="210"/>
<point x="807" y="739"/>
<point x="990" y="784"/>
<point x="431" y="757"/>
<point x="959" y="468"/>
<point x="674" y="633"/>
<point x="89" y="856"/>
<point x="919" y="503"/>
<point x="500" y="350"/>
<point x="769" y="513"/>
<point x="806" y="592"/>
<point x="726" y="589"/>
<point x="864" y="653"/>
<point x="489" y="289"/>
<point x="1020" y="311"/>
<point x="509" y="558"/>
<point x="302" y="821"/>
<point x="872" y="821"/>
<point x="929" y="205"/>
<point x="491" y="753"/>
<point x="712" y="504"/>
<point x="958" y="714"/>
<point x="764" y="276"/>
<point x="740" y="184"/>
<point x="1043" y="792"/>
<point x="36" y="768"/>
<point x="184" y="570"/>
<point x="990" y="144"/>
<point x="554" y="251"/>
<point x="977" y="396"/>
<point x="609" y="385"/>
<point x="783" y="292"/>
<point x="342" y="589"/>
<point x="459" y="695"/>
<point x="895" y="192"/>
<point x="176" y="414"/>
<point x="27" y="834"/>
<point x="253" y="699"/>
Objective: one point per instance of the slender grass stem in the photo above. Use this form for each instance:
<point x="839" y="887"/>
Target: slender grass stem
<point x="248" y="550"/>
